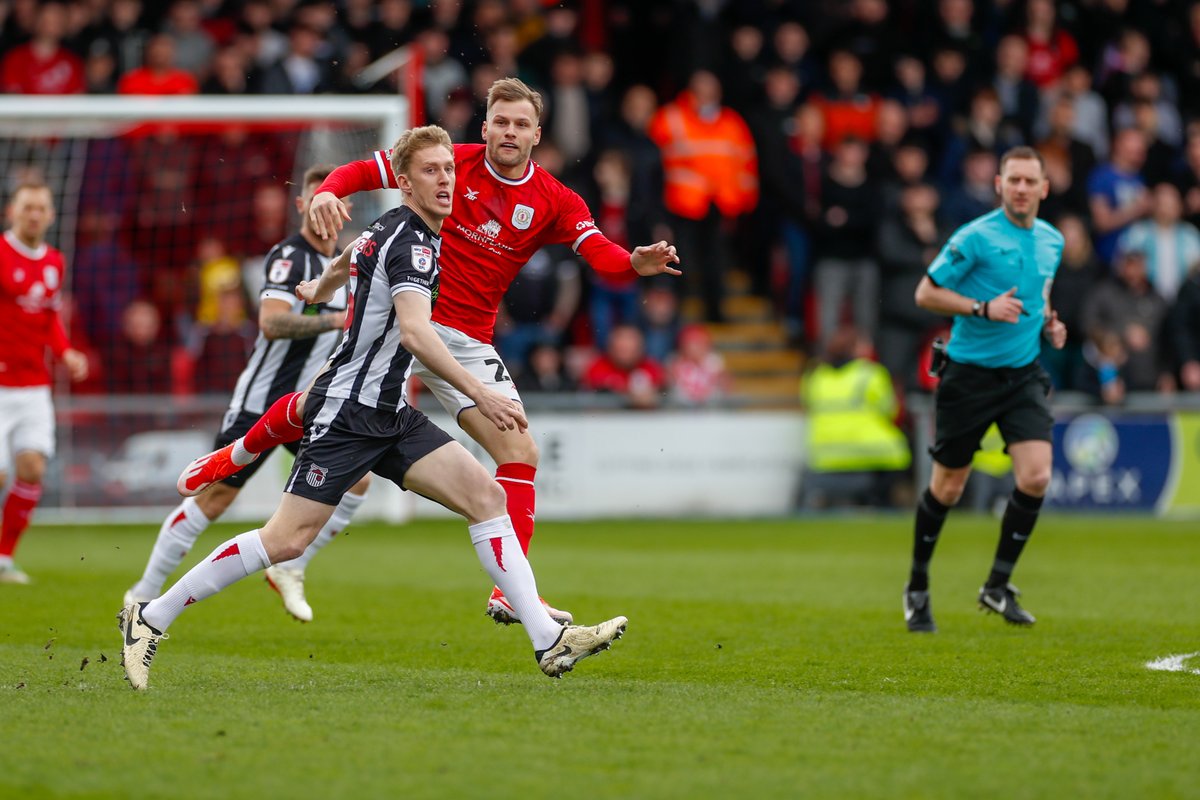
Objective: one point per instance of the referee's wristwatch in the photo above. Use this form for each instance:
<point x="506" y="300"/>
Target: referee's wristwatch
<point x="977" y="309"/>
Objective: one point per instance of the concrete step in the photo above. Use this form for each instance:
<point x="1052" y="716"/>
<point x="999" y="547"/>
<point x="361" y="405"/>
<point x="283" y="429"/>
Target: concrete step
<point x="747" y="335"/>
<point x="760" y="362"/>
<point x="780" y="387"/>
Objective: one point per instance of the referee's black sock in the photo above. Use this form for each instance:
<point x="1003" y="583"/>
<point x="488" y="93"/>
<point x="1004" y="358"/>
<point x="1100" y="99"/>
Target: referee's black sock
<point x="931" y="515"/>
<point x="1015" y="529"/>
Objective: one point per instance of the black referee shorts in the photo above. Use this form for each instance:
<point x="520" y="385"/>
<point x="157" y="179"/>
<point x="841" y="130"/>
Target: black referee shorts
<point x="970" y="398"/>
<point x="344" y="440"/>
<point x="239" y="427"/>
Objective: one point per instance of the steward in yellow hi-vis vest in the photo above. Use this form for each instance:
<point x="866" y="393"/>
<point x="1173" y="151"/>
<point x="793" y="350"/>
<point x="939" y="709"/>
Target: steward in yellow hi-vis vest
<point x="851" y="407"/>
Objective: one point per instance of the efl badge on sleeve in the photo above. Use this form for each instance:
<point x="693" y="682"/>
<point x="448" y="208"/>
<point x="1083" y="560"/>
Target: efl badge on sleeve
<point x="522" y="217"/>
<point x="422" y="258"/>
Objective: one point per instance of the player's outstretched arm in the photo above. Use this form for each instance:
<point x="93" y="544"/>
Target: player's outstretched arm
<point x="276" y="320"/>
<point x="333" y="278"/>
<point x="327" y="212"/>
<point x="654" y="259"/>
<point x="413" y="310"/>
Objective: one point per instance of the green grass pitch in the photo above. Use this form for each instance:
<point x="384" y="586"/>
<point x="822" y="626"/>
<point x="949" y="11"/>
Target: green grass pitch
<point x="763" y="659"/>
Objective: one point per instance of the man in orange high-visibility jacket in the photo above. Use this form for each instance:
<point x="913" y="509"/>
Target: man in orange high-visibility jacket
<point x="710" y="177"/>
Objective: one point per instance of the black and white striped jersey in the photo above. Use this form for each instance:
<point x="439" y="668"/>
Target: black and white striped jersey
<point x="282" y="366"/>
<point x="397" y="253"/>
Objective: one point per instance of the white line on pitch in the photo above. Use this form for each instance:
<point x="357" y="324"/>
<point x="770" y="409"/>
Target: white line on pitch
<point x="1173" y="663"/>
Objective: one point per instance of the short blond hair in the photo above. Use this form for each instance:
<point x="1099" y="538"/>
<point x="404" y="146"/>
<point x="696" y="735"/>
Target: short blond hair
<point x="416" y="139"/>
<point x="514" y="90"/>
<point x="31" y="186"/>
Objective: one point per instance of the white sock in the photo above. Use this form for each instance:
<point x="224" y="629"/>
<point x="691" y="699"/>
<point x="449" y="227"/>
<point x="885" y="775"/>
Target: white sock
<point x="232" y="560"/>
<point x="178" y="533"/>
<point x="240" y="455"/>
<point x="500" y="553"/>
<point x="337" y="523"/>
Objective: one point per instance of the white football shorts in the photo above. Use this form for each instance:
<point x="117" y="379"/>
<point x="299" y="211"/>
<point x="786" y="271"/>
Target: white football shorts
<point x="26" y="422"/>
<point x="479" y="359"/>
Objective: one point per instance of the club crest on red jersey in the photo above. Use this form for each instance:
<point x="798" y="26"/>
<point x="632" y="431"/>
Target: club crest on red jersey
<point x="522" y="217"/>
<point x="316" y="476"/>
<point x="422" y="258"/>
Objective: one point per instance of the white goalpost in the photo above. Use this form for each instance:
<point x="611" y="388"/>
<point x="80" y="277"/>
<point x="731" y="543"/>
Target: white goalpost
<point x="162" y="202"/>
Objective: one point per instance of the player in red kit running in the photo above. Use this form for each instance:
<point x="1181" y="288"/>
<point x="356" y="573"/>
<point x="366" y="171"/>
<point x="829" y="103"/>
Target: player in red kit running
<point x="31" y="273"/>
<point x="506" y="208"/>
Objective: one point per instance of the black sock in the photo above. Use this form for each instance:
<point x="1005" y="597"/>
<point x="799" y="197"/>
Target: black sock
<point x="931" y="515"/>
<point x="1020" y="515"/>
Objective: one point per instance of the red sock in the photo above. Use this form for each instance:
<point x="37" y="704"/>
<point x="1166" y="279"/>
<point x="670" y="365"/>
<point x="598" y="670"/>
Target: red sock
<point x="517" y="480"/>
<point x="280" y="425"/>
<point x="18" y="511"/>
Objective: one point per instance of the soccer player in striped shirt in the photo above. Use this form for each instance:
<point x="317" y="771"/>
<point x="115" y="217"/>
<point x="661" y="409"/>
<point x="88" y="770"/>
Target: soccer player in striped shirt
<point x="358" y="419"/>
<point x="294" y="342"/>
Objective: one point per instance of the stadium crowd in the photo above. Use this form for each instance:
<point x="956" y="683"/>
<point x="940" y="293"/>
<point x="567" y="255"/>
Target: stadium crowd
<point x="825" y="150"/>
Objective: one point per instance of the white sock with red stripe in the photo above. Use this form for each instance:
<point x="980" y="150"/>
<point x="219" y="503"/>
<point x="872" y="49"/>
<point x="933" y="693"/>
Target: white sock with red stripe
<point x="337" y="523"/>
<point x="178" y="533"/>
<point x="500" y="553"/>
<point x="232" y="560"/>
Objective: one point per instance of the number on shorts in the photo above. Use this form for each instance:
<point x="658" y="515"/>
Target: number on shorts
<point x="501" y="377"/>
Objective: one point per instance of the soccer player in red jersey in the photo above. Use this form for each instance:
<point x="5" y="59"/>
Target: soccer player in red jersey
<point x="31" y="274"/>
<point x="506" y="208"/>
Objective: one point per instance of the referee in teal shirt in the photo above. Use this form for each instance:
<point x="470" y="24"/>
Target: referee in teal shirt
<point x="994" y="278"/>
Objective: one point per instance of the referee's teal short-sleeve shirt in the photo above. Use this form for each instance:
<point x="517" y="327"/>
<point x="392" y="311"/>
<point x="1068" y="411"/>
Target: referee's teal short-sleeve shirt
<point x="985" y="258"/>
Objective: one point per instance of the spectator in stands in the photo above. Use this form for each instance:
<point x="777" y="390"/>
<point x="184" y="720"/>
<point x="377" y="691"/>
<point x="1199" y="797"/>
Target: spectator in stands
<point x="912" y="90"/>
<point x="43" y="66"/>
<point x="539" y="304"/>
<point x="745" y="71"/>
<point x="1124" y="58"/>
<point x="1147" y="88"/>
<point x="1117" y="197"/>
<point x="975" y="193"/>
<point x="218" y="350"/>
<point x="569" y="121"/>
<point x="298" y="72"/>
<point x="265" y="44"/>
<point x="105" y="277"/>
<point x="710" y="179"/>
<point x="951" y="84"/>
<point x="1184" y="330"/>
<point x="139" y="362"/>
<point x="545" y="371"/>
<point x="891" y="128"/>
<point x="1018" y="96"/>
<point x="625" y="370"/>
<point x="983" y="128"/>
<point x="457" y="112"/>
<point x="1078" y="273"/>
<point x="659" y="320"/>
<point x="441" y="73"/>
<point x="158" y="75"/>
<point x="1161" y="158"/>
<point x="1089" y="123"/>
<point x="848" y="109"/>
<point x="646" y="218"/>
<point x="1187" y="176"/>
<point x="612" y="296"/>
<point x="853" y="449"/>
<point x="844" y="241"/>
<point x="193" y="46"/>
<point x="909" y="239"/>
<point x="1059" y="138"/>
<point x="696" y="372"/>
<point x="1185" y="53"/>
<point x="231" y="73"/>
<point x="1124" y="318"/>
<point x="1171" y="245"/>
<point x="120" y="38"/>
<point x="1052" y="50"/>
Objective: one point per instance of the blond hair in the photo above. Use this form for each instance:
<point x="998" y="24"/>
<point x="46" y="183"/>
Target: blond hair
<point x="31" y="186"/>
<point x="514" y="90"/>
<point x="416" y="139"/>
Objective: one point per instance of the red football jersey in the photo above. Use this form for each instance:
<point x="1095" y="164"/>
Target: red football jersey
<point x="29" y="284"/>
<point x="496" y="226"/>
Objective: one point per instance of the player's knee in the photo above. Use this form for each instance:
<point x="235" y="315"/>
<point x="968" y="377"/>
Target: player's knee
<point x="949" y="490"/>
<point x="1034" y="482"/>
<point x="32" y="470"/>
<point x="487" y="502"/>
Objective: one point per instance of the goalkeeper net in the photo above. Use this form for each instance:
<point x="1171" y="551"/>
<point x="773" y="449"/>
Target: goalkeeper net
<point x="166" y="208"/>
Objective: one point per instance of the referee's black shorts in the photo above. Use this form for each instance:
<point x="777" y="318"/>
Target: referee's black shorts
<point x="344" y="440"/>
<point x="238" y="427"/>
<point x="970" y="398"/>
